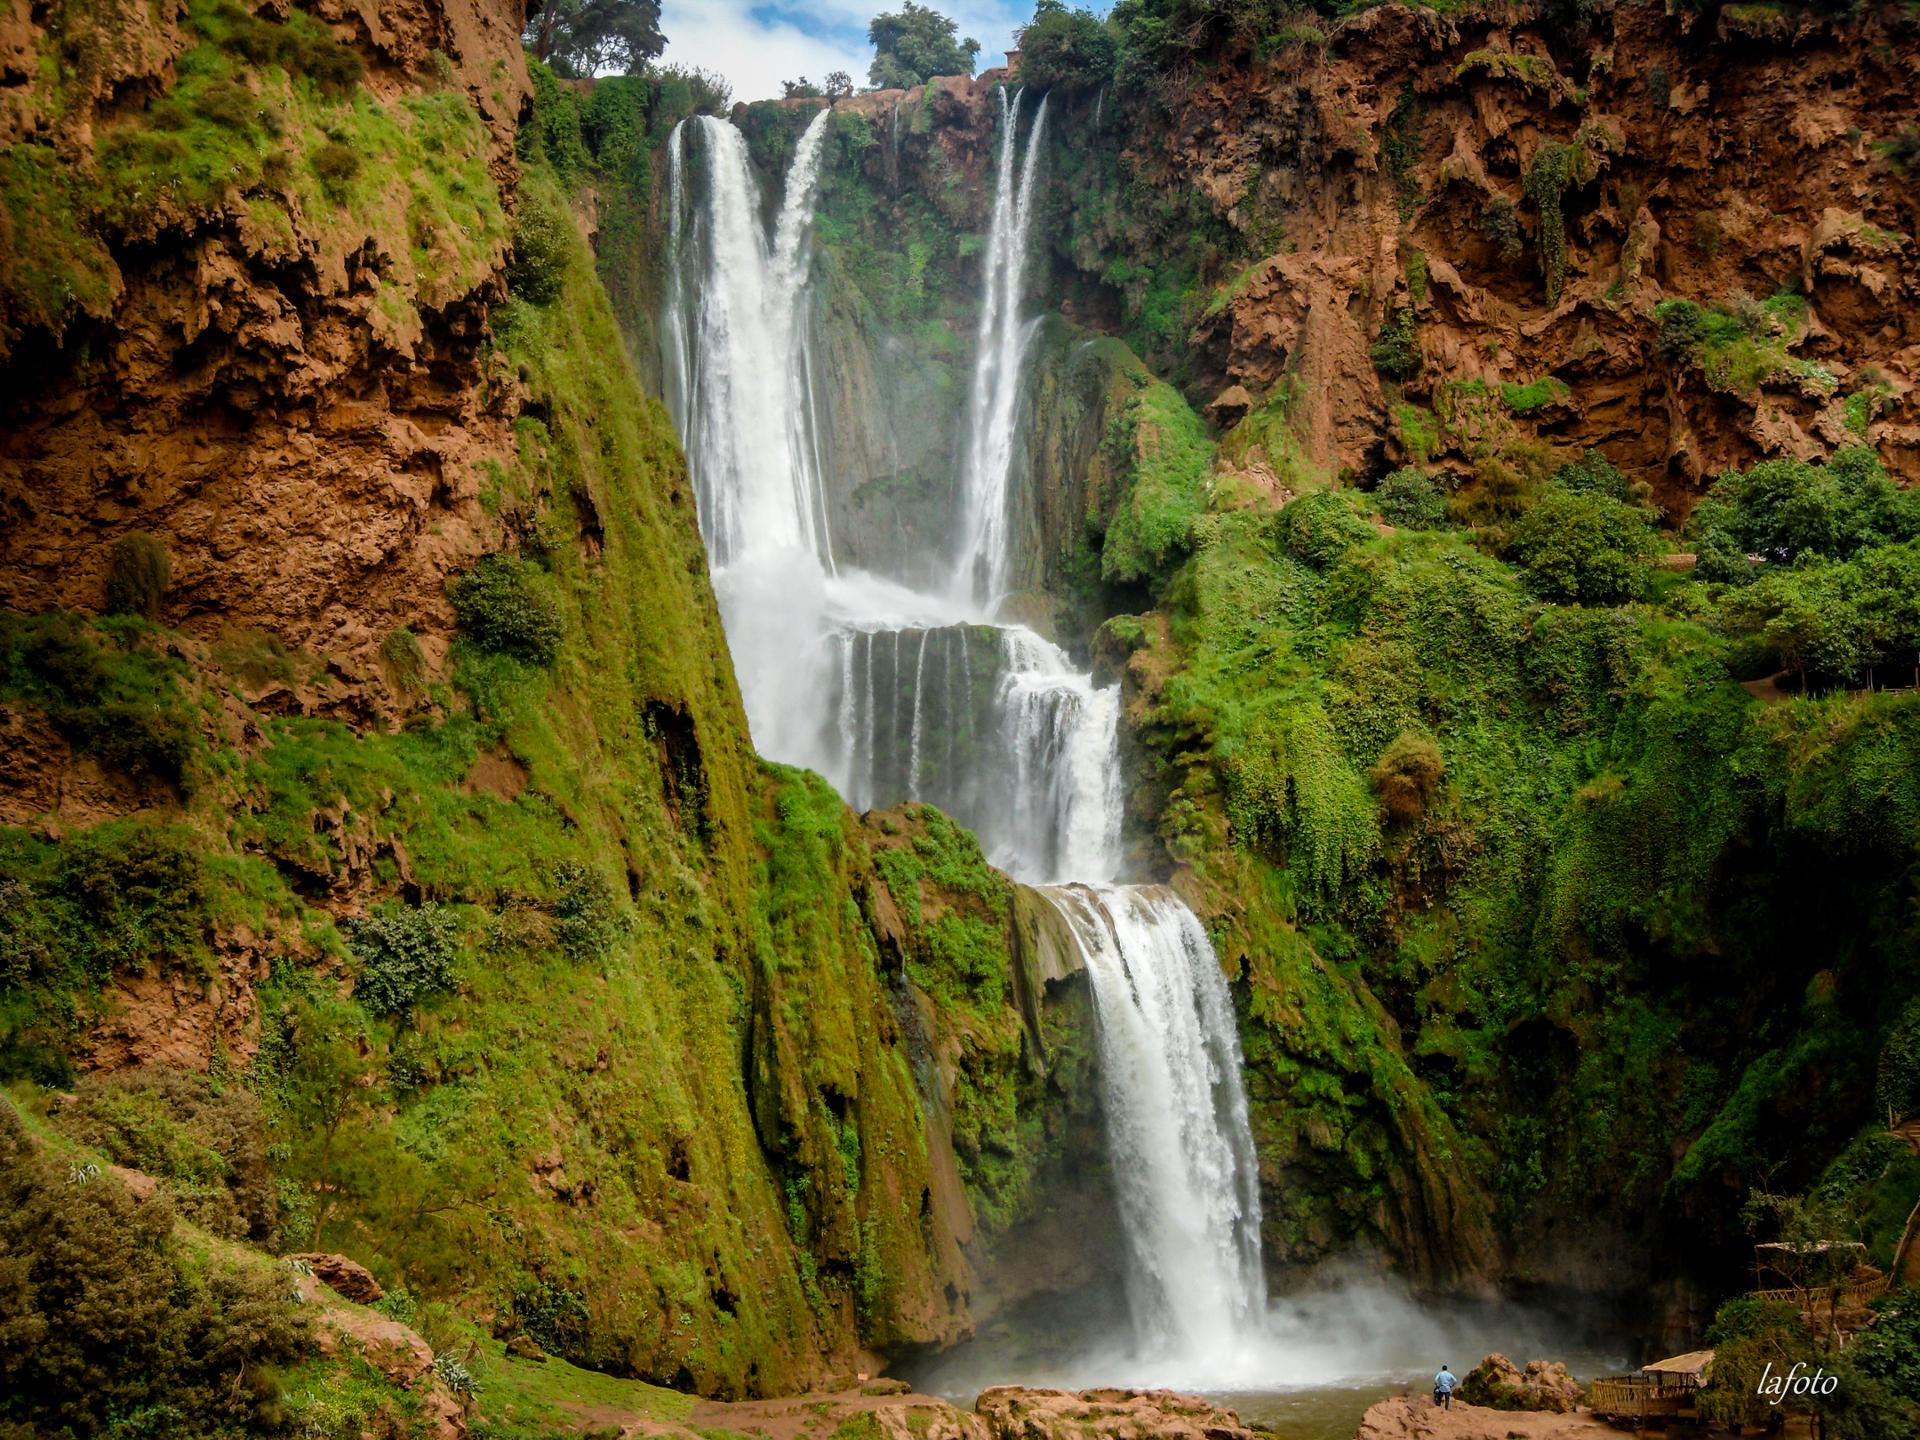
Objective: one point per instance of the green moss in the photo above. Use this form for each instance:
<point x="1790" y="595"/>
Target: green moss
<point x="1534" y="395"/>
<point x="1166" y="456"/>
<point x="54" y="269"/>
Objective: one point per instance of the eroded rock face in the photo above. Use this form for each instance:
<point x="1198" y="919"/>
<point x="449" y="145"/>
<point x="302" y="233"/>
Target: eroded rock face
<point x="292" y="395"/>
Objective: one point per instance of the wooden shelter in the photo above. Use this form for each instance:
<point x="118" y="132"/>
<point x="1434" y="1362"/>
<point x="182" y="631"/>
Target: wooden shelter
<point x="1664" y="1390"/>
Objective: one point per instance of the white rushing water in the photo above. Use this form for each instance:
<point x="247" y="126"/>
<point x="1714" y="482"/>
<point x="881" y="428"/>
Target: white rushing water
<point x="898" y="693"/>
<point x="999" y="366"/>
<point x="1182" y="1152"/>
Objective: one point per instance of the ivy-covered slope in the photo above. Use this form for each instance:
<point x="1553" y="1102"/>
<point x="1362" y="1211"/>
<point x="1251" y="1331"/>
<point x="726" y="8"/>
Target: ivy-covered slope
<point x="375" y="758"/>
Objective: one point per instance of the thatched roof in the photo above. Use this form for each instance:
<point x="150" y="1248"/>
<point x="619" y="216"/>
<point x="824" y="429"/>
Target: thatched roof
<point x="1693" y="1365"/>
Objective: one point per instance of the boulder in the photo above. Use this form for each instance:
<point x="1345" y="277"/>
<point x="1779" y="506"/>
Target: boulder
<point x="347" y="1278"/>
<point x="1497" y="1383"/>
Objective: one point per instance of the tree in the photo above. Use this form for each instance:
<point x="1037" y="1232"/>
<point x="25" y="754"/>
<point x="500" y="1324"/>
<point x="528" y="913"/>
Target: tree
<point x="914" y="44"/>
<point x="1408" y="499"/>
<point x="838" y="84"/>
<point x="801" y="89"/>
<point x="1588" y="548"/>
<point x="1067" y="50"/>
<point x="579" y="38"/>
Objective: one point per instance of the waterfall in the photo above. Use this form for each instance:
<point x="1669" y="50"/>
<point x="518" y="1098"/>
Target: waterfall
<point x="1177" y="1130"/>
<point x="999" y="361"/>
<point x="739" y="361"/>
<point x="836" y="667"/>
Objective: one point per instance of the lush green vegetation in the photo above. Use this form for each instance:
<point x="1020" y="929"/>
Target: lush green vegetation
<point x="1541" y="830"/>
<point x="111" y="1326"/>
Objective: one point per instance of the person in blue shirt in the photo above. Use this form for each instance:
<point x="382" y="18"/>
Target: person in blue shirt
<point x="1443" y="1384"/>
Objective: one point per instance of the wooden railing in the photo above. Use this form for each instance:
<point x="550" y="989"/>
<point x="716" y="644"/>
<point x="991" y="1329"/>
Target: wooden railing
<point x="1635" y="1397"/>
<point x="1820" y="1300"/>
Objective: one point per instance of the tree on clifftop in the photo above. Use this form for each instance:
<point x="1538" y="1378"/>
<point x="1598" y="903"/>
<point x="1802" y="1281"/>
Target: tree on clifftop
<point x="586" y="37"/>
<point x="915" y="44"/>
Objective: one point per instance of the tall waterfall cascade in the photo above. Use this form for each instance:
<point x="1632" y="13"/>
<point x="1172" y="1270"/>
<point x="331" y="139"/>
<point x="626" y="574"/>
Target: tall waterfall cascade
<point x="903" y="693"/>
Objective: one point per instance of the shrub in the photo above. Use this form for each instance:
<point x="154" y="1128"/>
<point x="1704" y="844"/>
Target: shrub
<point x="336" y="165"/>
<point x="138" y="572"/>
<point x="1902" y="152"/>
<point x="1320" y="528"/>
<point x="1683" y="329"/>
<point x="141" y="887"/>
<point x="1583" y="548"/>
<point x="1396" y="350"/>
<point x="1593" y="474"/>
<point x="1410" y="499"/>
<point x="588" y="911"/>
<point x="207" y="1138"/>
<point x="406" y="954"/>
<point x="509" y="607"/>
<point x="1500" y="223"/>
<point x="1897" y="1087"/>
<point x="107" y="1328"/>
<point x="543" y="239"/>
<point x="1408" y="775"/>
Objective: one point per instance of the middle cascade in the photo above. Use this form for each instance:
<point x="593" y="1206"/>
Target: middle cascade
<point x="898" y="693"/>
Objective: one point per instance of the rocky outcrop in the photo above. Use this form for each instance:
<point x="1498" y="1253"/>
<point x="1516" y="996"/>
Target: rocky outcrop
<point x="1416" y="1417"/>
<point x="1497" y="1383"/>
<point x="1013" y="1412"/>
<point x="348" y="1278"/>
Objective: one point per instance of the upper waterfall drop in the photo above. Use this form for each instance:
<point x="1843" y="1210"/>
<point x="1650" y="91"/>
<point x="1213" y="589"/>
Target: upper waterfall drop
<point x="985" y="556"/>
<point x="739" y="363"/>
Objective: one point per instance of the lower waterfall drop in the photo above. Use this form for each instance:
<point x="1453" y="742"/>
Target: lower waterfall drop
<point x="1177" y="1129"/>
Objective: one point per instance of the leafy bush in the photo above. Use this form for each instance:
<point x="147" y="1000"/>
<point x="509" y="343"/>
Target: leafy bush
<point x="138" y="573"/>
<point x="1786" y="511"/>
<point x="1396" y="350"/>
<point x="508" y="606"/>
<point x="205" y="1137"/>
<point x="1066" y="50"/>
<point x="1582" y="547"/>
<point x="1320" y="528"/>
<point x="543" y="240"/>
<point x="1407" y="776"/>
<point x="140" y="887"/>
<point x="588" y="911"/>
<point x="1683" y="327"/>
<point x="1897" y="1086"/>
<point x="336" y="165"/>
<point x="1593" y="474"/>
<point x="1500" y="223"/>
<point x="406" y="954"/>
<point x="1161" y="445"/>
<point x="556" y="1316"/>
<point x="1409" y="499"/>
<point x="108" y="1328"/>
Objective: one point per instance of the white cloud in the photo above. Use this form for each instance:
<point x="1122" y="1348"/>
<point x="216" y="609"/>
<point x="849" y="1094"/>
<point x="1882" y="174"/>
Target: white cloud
<point x="755" y="55"/>
<point x="720" y="35"/>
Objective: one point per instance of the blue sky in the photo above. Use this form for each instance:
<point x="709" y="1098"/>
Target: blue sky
<point x="758" y="43"/>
